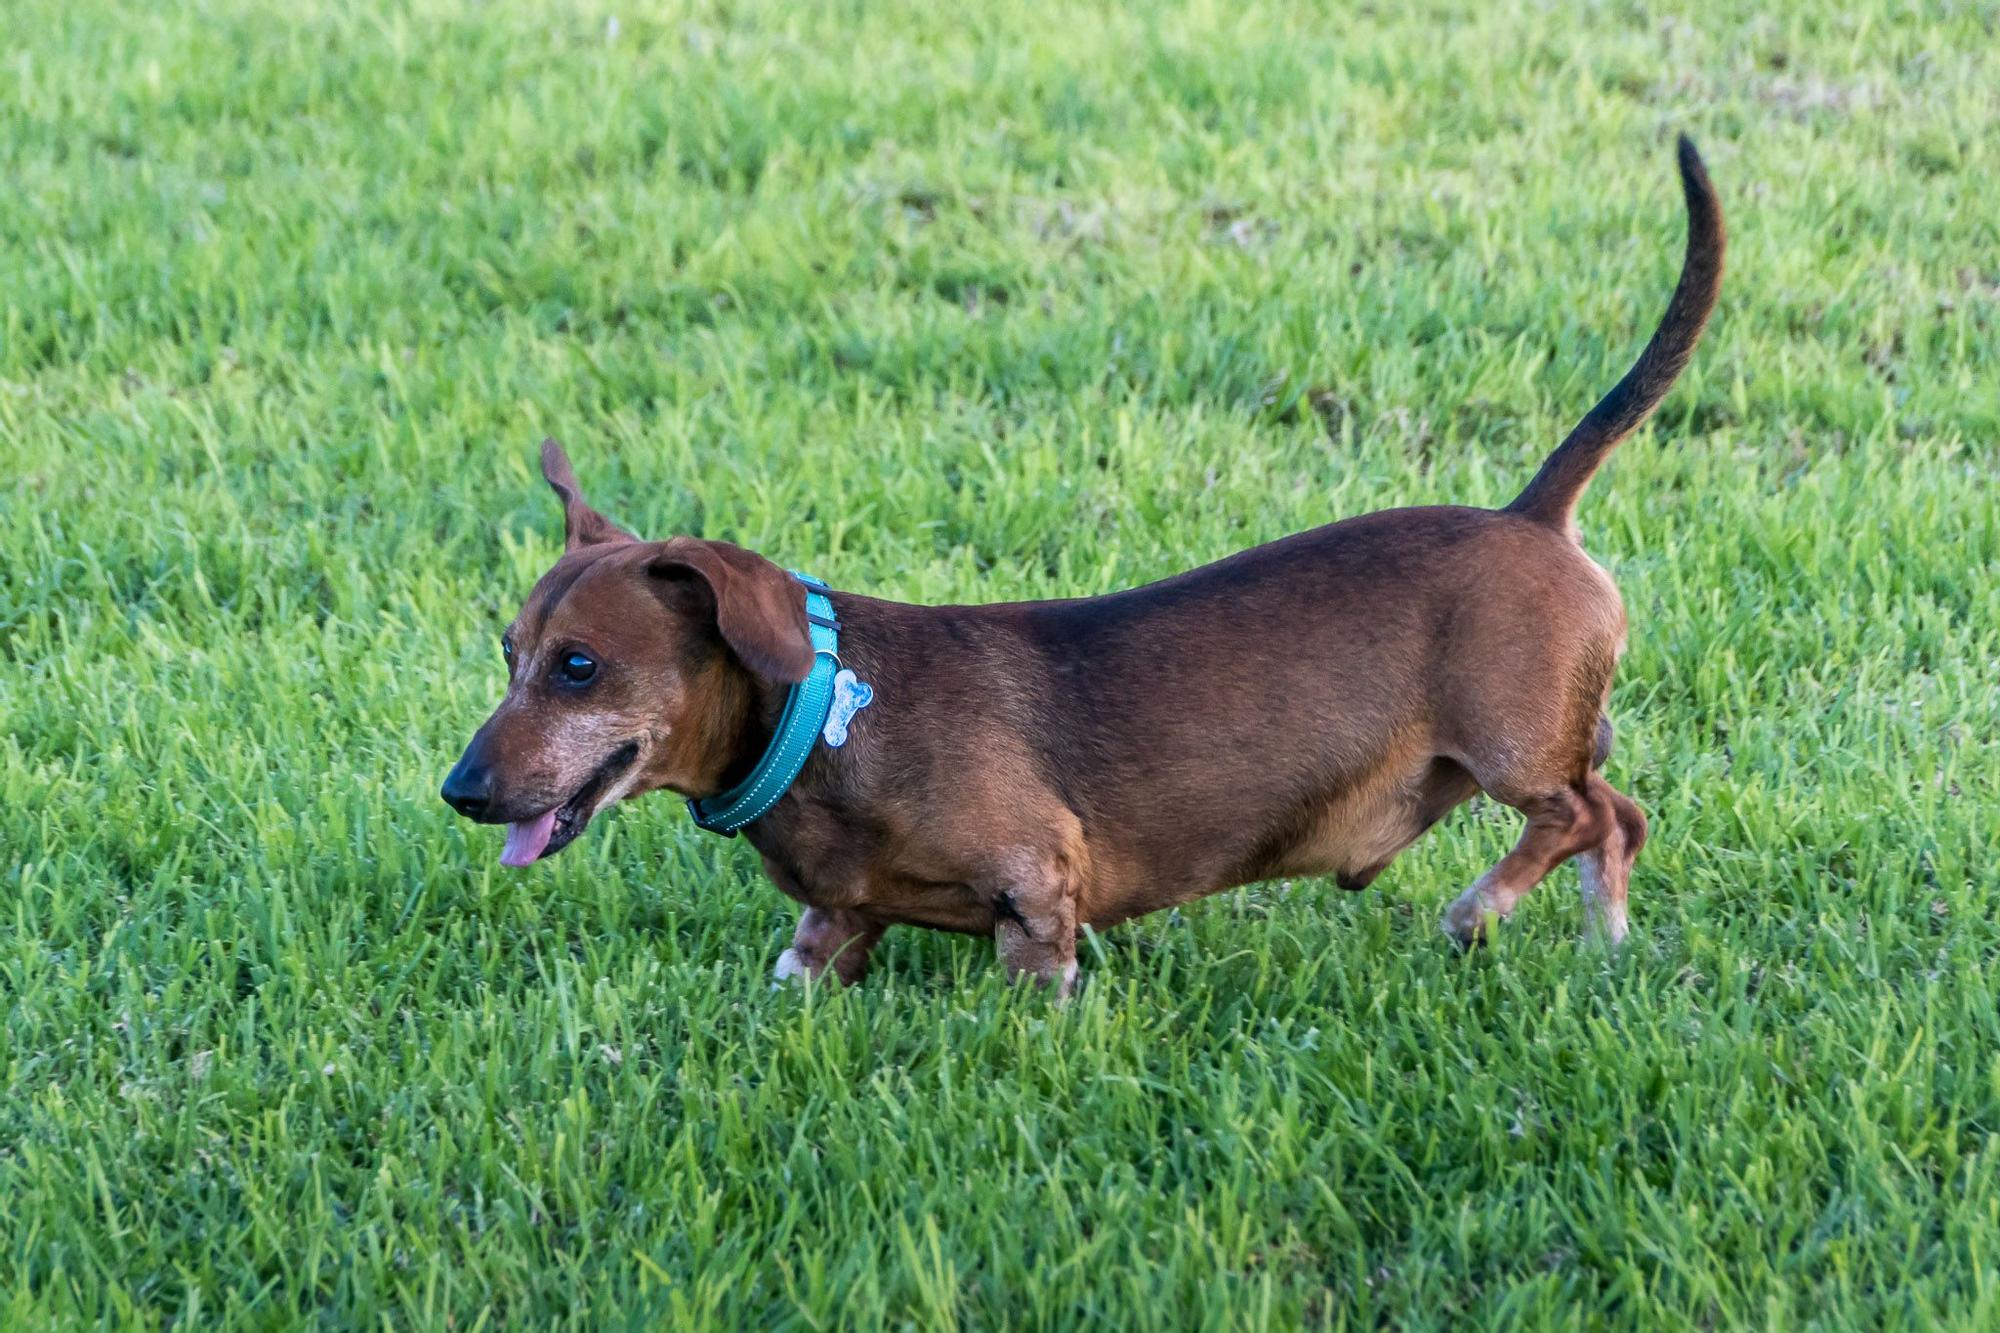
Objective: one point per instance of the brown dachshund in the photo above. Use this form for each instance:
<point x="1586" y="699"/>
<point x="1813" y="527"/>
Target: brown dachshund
<point x="1309" y="707"/>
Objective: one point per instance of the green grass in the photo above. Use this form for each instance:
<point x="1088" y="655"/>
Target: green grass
<point x="979" y="305"/>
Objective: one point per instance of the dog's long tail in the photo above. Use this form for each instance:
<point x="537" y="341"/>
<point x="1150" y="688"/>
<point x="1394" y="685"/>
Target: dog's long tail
<point x="1553" y="494"/>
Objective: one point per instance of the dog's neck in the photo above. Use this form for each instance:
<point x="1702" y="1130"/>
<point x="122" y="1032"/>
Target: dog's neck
<point x="870" y="646"/>
<point x="749" y="712"/>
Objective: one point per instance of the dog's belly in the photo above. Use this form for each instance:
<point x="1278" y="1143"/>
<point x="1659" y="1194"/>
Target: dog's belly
<point x="1353" y="845"/>
<point x="951" y="907"/>
<point x="1352" y="834"/>
<point x="1356" y="835"/>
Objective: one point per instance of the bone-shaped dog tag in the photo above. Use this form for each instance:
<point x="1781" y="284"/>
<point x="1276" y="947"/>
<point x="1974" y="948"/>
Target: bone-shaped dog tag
<point x="851" y="694"/>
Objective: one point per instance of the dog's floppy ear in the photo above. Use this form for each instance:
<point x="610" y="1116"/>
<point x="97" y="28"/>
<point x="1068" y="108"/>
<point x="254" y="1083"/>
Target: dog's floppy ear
<point x="582" y="525"/>
<point x="760" y="610"/>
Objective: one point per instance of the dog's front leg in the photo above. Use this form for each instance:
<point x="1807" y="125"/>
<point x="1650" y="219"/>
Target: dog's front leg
<point x="829" y="938"/>
<point x="1034" y="925"/>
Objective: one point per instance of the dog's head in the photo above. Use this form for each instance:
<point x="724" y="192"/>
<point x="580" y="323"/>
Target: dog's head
<point x="632" y="667"/>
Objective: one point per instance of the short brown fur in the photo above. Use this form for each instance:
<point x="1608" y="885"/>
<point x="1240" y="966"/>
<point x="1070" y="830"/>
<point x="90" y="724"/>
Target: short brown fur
<point x="1311" y="706"/>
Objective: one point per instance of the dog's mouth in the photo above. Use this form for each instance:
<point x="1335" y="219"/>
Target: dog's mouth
<point x="529" y="840"/>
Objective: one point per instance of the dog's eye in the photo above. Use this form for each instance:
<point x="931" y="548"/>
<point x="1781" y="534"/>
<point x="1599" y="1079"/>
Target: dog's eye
<point x="577" y="668"/>
<point x="507" y="649"/>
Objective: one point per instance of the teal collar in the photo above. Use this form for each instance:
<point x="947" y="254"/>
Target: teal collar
<point x="799" y="726"/>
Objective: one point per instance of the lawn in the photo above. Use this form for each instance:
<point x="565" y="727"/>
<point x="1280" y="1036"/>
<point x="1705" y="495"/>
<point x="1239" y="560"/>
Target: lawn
<point x="943" y="304"/>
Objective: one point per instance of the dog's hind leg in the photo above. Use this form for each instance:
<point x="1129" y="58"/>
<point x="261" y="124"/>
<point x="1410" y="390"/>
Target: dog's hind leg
<point x="1607" y="867"/>
<point x="1589" y="819"/>
<point x="1561" y="823"/>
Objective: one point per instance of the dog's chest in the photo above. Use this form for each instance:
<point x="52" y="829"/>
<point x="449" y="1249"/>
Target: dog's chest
<point x="815" y="857"/>
<point x="824" y="860"/>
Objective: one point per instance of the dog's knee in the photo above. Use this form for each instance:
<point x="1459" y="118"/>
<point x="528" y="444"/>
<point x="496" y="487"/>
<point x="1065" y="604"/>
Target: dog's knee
<point x="1034" y="924"/>
<point x="1631" y="821"/>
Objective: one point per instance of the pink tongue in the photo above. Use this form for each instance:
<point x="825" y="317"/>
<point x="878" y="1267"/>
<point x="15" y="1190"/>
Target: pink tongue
<point x="527" y="838"/>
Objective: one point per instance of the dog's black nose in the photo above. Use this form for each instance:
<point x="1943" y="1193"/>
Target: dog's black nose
<point x="469" y="789"/>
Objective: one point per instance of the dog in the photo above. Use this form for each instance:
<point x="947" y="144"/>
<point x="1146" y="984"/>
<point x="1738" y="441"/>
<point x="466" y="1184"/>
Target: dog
<point x="1023" y="770"/>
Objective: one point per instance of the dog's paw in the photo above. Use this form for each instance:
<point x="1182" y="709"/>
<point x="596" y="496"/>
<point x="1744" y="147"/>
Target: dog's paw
<point x="1467" y="921"/>
<point x="1058" y="983"/>
<point x="1604" y="925"/>
<point x="790" y="968"/>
